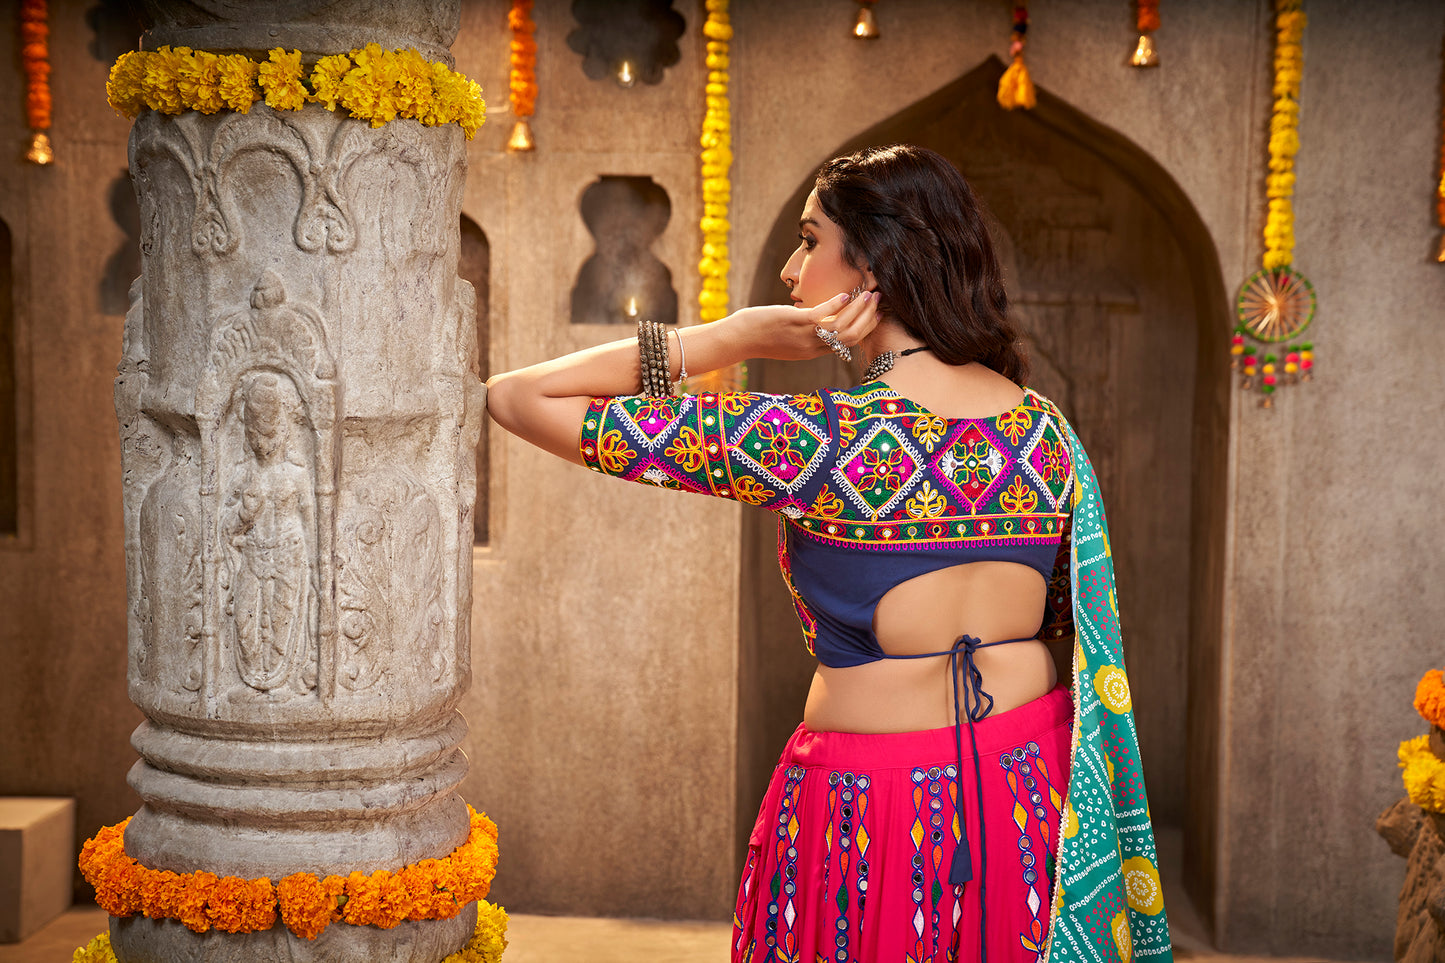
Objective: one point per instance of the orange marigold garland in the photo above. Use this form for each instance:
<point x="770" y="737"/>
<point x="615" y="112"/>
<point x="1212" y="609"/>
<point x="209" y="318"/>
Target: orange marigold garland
<point x="1146" y="21"/>
<point x="1015" y="88"/>
<point x="35" y="58"/>
<point x="1277" y="303"/>
<point x="522" y="83"/>
<point x="1430" y="698"/>
<point x="425" y="890"/>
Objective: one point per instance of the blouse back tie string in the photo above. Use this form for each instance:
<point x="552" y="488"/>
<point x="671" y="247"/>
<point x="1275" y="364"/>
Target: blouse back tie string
<point x="978" y="704"/>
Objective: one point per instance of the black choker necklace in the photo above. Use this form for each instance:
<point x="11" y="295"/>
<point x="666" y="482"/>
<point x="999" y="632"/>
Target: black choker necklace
<point x="883" y="364"/>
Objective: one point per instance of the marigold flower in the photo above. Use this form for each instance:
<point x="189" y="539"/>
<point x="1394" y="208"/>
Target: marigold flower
<point x="1430" y="698"/>
<point x="123" y="88"/>
<point x="160" y="87"/>
<point x="280" y="77"/>
<point x="326" y="79"/>
<point x="238" y="82"/>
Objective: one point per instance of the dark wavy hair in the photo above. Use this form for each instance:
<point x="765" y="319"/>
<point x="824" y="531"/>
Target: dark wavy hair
<point x="909" y="216"/>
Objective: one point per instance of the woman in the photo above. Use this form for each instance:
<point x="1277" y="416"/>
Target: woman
<point x="926" y="808"/>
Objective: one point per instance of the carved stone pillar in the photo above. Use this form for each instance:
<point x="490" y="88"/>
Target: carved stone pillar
<point x="298" y="417"/>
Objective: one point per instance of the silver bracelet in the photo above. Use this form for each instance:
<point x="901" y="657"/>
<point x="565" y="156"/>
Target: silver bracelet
<point x="677" y="385"/>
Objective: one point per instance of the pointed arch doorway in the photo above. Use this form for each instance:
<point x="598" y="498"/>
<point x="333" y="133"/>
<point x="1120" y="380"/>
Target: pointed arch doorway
<point x="1116" y="285"/>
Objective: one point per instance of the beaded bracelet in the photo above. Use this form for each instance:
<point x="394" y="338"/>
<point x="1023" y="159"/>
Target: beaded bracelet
<point x="652" y="358"/>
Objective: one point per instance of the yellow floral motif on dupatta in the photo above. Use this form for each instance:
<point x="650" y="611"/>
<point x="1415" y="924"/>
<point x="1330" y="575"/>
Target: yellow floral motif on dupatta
<point x="1123" y="937"/>
<point x="1142" y="887"/>
<point x="1112" y="685"/>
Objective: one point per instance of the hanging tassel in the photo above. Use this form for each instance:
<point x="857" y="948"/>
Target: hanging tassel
<point x="1015" y="89"/>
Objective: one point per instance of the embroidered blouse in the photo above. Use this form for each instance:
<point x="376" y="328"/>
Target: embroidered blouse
<point x="871" y="488"/>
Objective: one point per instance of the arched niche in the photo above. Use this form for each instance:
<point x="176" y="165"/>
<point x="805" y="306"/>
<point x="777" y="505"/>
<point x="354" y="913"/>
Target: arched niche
<point x="9" y="400"/>
<point x="474" y="264"/>
<point x="1116" y="283"/>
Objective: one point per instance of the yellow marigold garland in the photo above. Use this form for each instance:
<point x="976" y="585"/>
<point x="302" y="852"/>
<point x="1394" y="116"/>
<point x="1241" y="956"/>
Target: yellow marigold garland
<point x="486" y="945"/>
<point x="372" y="84"/>
<point x="1284" y="133"/>
<point x="717" y="160"/>
<point x="1430" y="698"/>
<point x="429" y="889"/>
<point x="1424" y="774"/>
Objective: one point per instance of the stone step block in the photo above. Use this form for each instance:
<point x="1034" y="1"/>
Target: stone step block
<point x="37" y="857"/>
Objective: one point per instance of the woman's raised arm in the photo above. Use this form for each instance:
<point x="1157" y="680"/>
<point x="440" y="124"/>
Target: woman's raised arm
<point x="544" y="403"/>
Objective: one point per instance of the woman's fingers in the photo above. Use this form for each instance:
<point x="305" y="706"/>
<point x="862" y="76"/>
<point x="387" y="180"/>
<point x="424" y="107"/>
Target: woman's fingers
<point x="853" y="322"/>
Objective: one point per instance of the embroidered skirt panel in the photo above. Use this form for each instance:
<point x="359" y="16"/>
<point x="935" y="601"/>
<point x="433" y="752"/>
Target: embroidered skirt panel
<point x="849" y="858"/>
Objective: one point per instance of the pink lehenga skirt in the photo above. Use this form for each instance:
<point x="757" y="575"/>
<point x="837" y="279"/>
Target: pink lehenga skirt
<point x="849" y="859"/>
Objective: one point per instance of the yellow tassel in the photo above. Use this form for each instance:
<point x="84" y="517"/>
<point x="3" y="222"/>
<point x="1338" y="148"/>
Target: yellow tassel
<point x="1015" y="89"/>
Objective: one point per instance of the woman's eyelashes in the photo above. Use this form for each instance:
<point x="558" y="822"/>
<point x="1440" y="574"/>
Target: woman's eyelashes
<point x="809" y="242"/>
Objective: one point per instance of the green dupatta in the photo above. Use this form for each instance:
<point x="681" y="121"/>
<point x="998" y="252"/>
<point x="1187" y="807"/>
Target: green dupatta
<point x="1108" y="903"/>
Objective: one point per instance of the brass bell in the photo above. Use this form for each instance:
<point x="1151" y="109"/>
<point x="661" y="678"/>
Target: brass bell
<point x="866" y="26"/>
<point x="1440" y="252"/>
<point x="1144" y="54"/>
<point x="521" y="139"/>
<point x="40" y="151"/>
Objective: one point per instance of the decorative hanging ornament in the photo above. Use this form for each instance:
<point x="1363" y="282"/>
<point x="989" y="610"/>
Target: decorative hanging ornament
<point x="1015" y="89"/>
<point x="35" y="58"/>
<point x="1277" y="303"/>
<point x="522" y="82"/>
<point x="865" y="27"/>
<point x="1146" y="20"/>
<point x="1440" y="189"/>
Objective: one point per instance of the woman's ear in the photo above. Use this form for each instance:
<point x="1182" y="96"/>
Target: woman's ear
<point x="870" y="283"/>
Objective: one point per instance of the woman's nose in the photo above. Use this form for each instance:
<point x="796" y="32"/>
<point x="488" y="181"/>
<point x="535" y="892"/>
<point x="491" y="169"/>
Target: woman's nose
<point x="790" y="272"/>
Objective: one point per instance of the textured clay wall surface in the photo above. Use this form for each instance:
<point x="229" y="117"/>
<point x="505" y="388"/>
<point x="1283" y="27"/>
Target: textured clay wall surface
<point x="63" y="705"/>
<point x="604" y="614"/>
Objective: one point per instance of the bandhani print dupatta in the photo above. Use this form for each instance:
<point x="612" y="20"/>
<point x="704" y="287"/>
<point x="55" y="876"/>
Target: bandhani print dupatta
<point x="1108" y="903"/>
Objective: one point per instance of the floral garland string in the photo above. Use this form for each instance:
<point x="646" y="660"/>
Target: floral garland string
<point x="522" y="80"/>
<point x="371" y="84"/>
<point x="1015" y="88"/>
<point x="35" y="59"/>
<point x="1146" y="21"/>
<point x="486" y="945"/>
<point x="717" y="160"/>
<point x="426" y="890"/>
<point x="1440" y="189"/>
<point x="1277" y="303"/>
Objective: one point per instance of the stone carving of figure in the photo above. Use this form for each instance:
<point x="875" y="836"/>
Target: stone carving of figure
<point x="169" y="603"/>
<point x="268" y="528"/>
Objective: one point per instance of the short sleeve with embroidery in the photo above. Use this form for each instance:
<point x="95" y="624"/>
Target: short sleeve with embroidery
<point x="762" y="449"/>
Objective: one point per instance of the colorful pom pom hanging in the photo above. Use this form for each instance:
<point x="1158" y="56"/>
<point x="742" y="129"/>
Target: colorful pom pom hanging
<point x="1277" y="303"/>
<point x="1015" y="87"/>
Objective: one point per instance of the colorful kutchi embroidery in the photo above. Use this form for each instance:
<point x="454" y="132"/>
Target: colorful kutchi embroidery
<point x="782" y="888"/>
<point x="847" y="807"/>
<point x="761" y="449"/>
<point x="907" y="477"/>
<point x="1036" y="811"/>
<point x="931" y="787"/>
